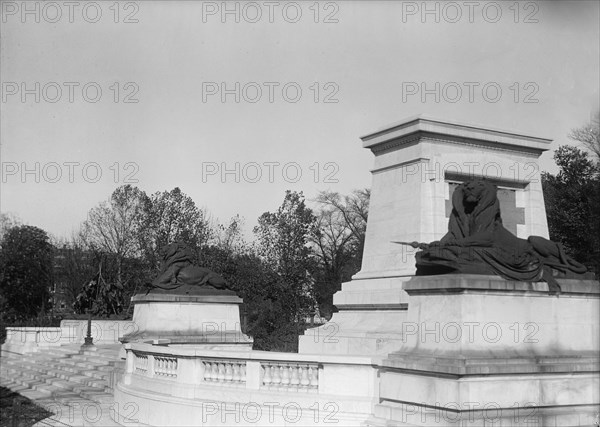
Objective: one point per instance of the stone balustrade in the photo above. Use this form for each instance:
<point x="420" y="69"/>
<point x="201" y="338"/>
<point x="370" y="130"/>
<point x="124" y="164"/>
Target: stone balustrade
<point x="140" y="364"/>
<point x="222" y="385"/>
<point x="24" y="340"/>
<point x="290" y="376"/>
<point x="224" y="371"/>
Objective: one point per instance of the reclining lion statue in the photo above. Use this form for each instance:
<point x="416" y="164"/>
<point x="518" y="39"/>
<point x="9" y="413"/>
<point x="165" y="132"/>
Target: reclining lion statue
<point x="478" y="243"/>
<point x="179" y="270"/>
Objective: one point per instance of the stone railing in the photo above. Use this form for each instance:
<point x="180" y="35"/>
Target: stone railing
<point x="240" y="383"/>
<point x="23" y="340"/>
<point x="31" y="339"/>
<point x="290" y="376"/>
<point x="256" y="369"/>
<point x="224" y="372"/>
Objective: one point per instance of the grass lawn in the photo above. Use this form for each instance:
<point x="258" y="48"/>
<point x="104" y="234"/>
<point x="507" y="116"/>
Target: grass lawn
<point x="18" y="411"/>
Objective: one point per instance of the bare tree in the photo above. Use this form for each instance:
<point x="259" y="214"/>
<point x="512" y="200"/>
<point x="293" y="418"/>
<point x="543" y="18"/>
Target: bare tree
<point x="589" y="135"/>
<point x="351" y="210"/>
<point x="339" y="241"/>
<point x="113" y="227"/>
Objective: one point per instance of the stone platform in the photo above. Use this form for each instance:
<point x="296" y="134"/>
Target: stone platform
<point x="480" y="349"/>
<point x="203" y="316"/>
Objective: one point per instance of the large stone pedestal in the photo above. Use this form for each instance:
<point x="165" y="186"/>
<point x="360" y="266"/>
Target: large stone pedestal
<point x="481" y="349"/>
<point x="205" y="316"/>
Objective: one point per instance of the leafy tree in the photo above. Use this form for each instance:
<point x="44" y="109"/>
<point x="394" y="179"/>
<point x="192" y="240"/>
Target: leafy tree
<point x="229" y="237"/>
<point x="572" y="199"/>
<point x="283" y="239"/>
<point x="7" y="221"/>
<point x="26" y="272"/>
<point x="339" y="241"/>
<point x="73" y="267"/>
<point x="170" y="216"/>
<point x="263" y="293"/>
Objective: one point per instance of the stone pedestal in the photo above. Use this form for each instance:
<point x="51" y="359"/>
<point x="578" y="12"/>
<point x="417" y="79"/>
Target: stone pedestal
<point x="417" y="164"/>
<point x="479" y="349"/>
<point x="206" y="316"/>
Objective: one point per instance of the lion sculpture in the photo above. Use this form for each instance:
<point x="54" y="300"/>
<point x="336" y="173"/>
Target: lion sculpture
<point x="478" y="243"/>
<point x="178" y="270"/>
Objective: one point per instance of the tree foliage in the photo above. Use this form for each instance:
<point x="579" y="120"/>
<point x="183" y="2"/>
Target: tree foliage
<point x="283" y="245"/>
<point x="170" y="216"/>
<point x="572" y="200"/>
<point x="297" y="259"/>
<point x="25" y="272"/>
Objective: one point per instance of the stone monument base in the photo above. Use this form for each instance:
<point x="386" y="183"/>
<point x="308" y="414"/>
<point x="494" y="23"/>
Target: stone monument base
<point x="483" y="350"/>
<point x="202" y="316"/>
<point x="370" y="311"/>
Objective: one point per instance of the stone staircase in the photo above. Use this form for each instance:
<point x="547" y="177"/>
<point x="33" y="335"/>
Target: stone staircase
<point x="73" y="384"/>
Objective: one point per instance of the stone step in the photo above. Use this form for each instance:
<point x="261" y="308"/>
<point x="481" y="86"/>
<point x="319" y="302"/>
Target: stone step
<point x="64" y="376"/>
<point x="44" y="377"/>
<point x="98" y="358"/>
<point x="101" y="375"/>
<point x="34" y="394"/>
<point x="50" y="389"/>
<point x="98" y="396"/>
<point x="67" y="385"/>
<point x="85" y="390"/>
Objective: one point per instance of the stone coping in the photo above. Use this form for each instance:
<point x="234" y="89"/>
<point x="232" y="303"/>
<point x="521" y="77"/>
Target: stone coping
<point x="255" y="355"/>
<point x="210" y="297"/>
<point x="427" y="364"/>
<point x="467" y="132"/>
<point x="479" y="283"/>
<point x="164" y="338"/>
<point x="372" y="307"/>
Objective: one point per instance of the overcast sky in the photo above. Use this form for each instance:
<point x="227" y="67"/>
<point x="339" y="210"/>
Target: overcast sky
<point x="311" y="79"/>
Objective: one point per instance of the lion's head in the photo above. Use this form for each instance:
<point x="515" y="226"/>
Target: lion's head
<point x="476" y="193"/>
<point x="176" y="252"/>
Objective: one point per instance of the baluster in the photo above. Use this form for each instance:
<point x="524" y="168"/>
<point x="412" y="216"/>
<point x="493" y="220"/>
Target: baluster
<point x="221" y="371"/>
<point x="243" y="371"/>
<point x="314" y="376"/>
<point x="208" y="371"/>
<point x="213" y="371"/>
<point x="304" y="380"/>
<point x="267" y="378"/>
<point x="236" y="372"/>
<point x="228" y="371"/>
<point x="295" y="380"/>
<point x="276" y="374"/>
<point x="285" y="375"/>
